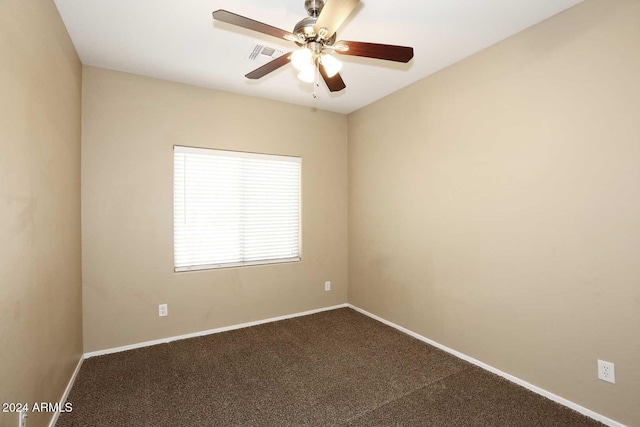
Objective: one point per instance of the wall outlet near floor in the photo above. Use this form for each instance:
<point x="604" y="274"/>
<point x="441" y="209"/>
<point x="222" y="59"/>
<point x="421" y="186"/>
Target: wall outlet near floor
<point x="163" y="310"/>
<point x="22" y="418"/>
<point x="606" y="371"/>
<point x="327" y="286"/>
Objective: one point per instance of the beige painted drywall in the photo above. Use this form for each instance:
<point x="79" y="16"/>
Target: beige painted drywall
<point x="130" y="124"/>
<point x="40" y="268"/>
<point x="494" y="207"/>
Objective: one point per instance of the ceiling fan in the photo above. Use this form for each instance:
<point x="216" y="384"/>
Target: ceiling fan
<point x="316" y="37"/>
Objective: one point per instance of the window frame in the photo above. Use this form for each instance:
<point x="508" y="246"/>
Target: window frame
<point x="239" y="154"/>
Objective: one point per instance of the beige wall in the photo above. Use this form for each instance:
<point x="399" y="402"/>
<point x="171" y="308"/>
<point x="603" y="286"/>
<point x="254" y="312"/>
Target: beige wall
<point x="495" y="206"/>
<point x="130" y="124"/>
<point x="40" y="279"/>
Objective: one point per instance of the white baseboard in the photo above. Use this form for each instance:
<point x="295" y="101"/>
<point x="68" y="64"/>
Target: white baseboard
<point x="208" y="332"/>
<point x="533" y="388"/>
<point x="54" y="418"/>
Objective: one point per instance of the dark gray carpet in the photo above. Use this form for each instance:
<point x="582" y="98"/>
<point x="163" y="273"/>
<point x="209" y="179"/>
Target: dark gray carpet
<point x="336" y="368"/>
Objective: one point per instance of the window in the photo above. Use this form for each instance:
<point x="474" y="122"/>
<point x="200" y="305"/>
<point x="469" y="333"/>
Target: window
<point x="233" y="209"/>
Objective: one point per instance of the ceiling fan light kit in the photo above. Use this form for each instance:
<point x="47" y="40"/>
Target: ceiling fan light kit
<point x="316" y="36"/>
<point x="302" y="59"/>
<point x="308" y="75"/>
<point x="331" y="64"/>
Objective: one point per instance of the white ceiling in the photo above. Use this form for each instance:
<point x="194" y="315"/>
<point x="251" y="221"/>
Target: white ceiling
<point x="178" y="40"/>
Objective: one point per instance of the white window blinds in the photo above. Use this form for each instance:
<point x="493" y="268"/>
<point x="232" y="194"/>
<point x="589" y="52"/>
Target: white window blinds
<point x="233" y="209"/>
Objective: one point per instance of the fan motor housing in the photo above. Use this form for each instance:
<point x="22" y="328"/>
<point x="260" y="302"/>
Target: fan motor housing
<point x="305" y="29"/>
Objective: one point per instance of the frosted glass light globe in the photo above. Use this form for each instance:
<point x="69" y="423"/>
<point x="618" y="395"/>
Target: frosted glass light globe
<point x="302" y="59"/>
<point x="308" y="75"/>
<point x="331" y="65"/>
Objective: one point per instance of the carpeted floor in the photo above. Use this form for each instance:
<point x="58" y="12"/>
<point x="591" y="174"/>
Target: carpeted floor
<point x="337" y="368"/>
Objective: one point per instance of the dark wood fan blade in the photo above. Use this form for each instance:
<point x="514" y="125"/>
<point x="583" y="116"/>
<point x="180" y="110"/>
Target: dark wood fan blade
<point x="335" y="83"/>
<point x="269" y="67"/>
<point x="333" y="15"/>
<point x="241" y="21"/>
<point x="374" y="50"/>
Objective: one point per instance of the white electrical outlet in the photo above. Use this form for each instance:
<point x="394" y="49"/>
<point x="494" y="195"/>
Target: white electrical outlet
<point x="327" y="286"/>
<point x="606" y="371"/>
<point x="22" y="418"/>
<point x="163" y="310"/>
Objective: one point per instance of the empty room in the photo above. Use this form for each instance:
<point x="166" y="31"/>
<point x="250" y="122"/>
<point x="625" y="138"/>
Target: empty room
<point x="320" y="213"/>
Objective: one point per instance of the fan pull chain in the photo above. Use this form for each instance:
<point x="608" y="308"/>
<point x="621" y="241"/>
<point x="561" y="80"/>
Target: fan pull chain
<point x="315" y="82"/>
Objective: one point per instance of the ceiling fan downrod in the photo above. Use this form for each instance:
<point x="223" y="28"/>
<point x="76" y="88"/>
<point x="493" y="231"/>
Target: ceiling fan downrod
<point x="314" y="7"/>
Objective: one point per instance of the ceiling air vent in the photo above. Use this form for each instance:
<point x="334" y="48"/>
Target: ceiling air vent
<point x="262" y="53"/>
